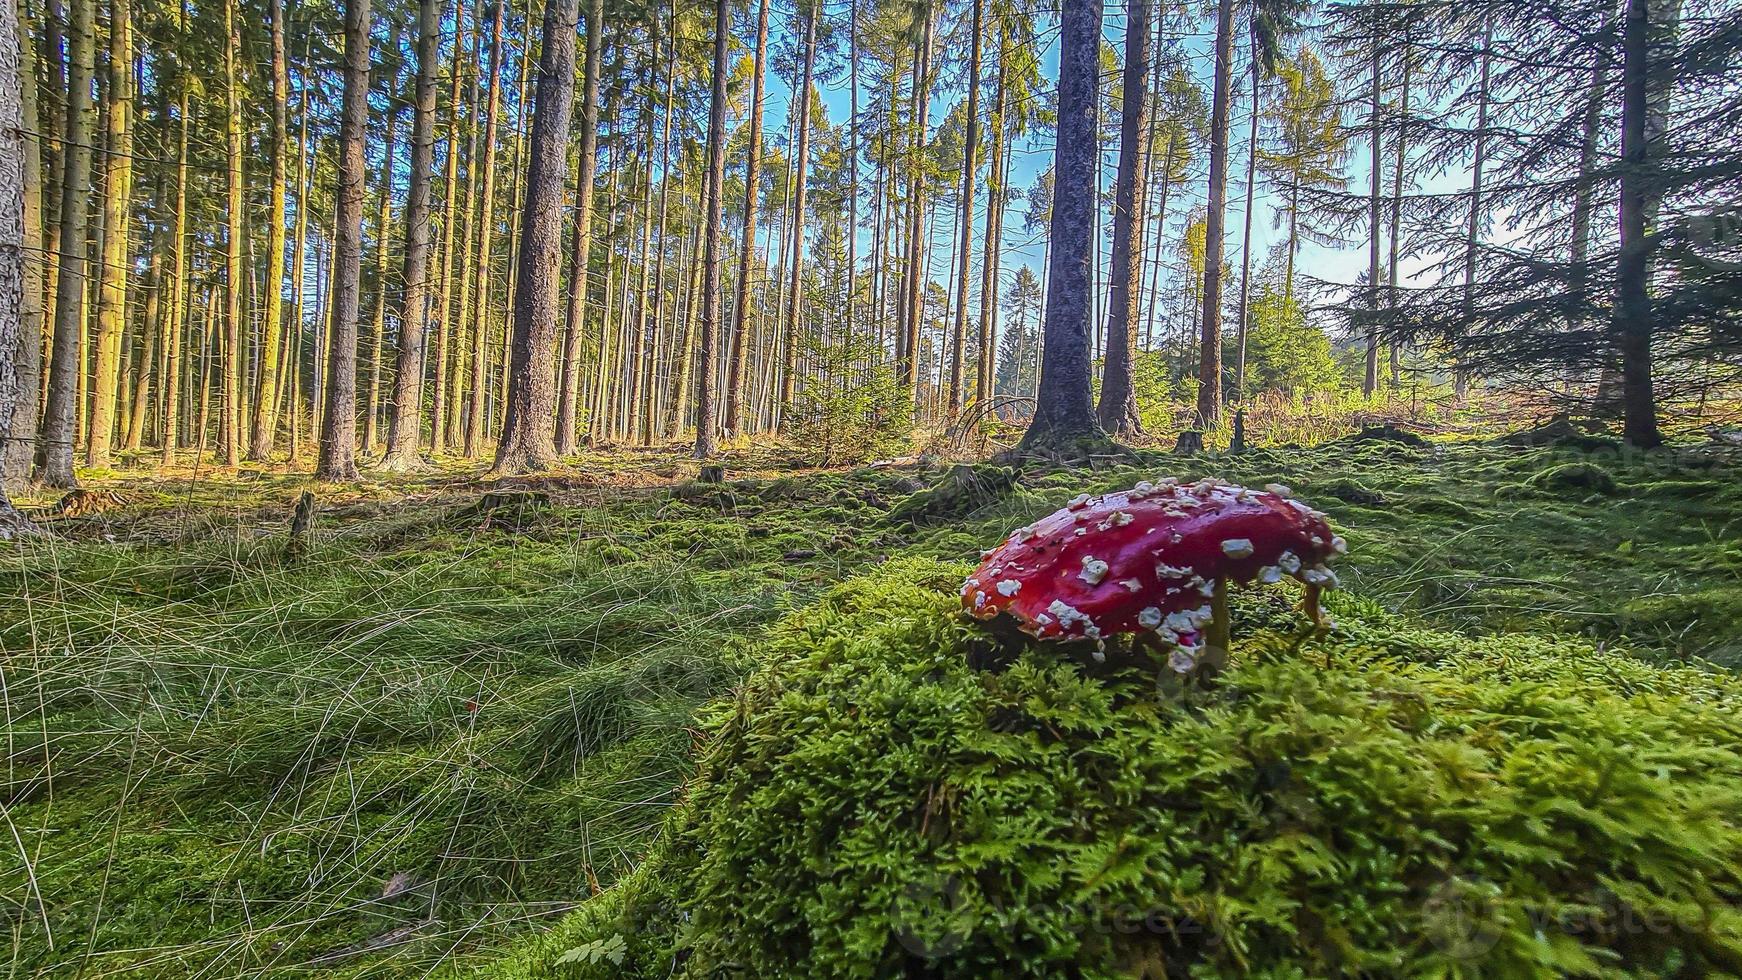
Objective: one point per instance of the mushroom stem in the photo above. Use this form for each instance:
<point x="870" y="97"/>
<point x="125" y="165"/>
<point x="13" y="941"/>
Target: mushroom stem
<point x="1216" y="633"/>
<point x="1310" y="605"/>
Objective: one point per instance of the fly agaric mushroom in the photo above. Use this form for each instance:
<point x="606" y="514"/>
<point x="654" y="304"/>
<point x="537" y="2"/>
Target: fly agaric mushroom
<point x="1153" y="562"/>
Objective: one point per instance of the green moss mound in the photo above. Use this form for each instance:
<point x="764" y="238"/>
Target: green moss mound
<point x="1392" y="801"/>
<point x="1573" y="477"/>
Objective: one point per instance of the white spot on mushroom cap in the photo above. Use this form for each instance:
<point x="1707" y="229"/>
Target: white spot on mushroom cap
<point x="1009" y="587"/>
<point x="1338" y="545"/>
<point x="979" y="600"/>
<point x="1269" y="575"/>
<point x="1281" y="490"/>
<point x="1131" y="584"/>
<point x="1069" y="615"/>
<point x="1180" y="660"/>
<point x="1321" y="576"/>
<point x="1078" y="501"/>
<point x="1289" y="562"/>
<point x="1164" y="570"/>
<point x="1149" y="618"/>
<point x="1237" y="547"/>
<point x="969" y="585"/>
<point x="1094" y="570"/>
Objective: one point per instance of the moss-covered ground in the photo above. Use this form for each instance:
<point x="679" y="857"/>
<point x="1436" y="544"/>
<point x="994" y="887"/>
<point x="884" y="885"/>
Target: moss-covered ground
<point x="435" y="731"/>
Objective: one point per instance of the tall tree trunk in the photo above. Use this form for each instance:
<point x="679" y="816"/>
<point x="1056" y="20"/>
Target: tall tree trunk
<point x="383" y="235"/>
<point x="580" y="252"/>
<point x="175" y="322"/>
<point x="14" y="166"/>
<point x="852" y="164"/>
<point x="486" y="235"/>
<point x="60" y="418"/>
<point x="1645" y="81"/>
<point x="469" y="273"/>
<point x="1210" y="338"/>
<point x="715" y="189"/>
<point x="19" y="408"/>
<point x="795" y="267"/>
<point x="1064" y="413"/>
<point x="991" y="247"/>
<point x="1375" y="229"/>
<point x="1244" y="326"/>
<point x="738" y="349"/>
<point x="445" y="311"/>
<point x="649" y="391"/>
<point x="965" y="235"/>
<point x="233" y="233"/>
<point x="1461" y="375"/>
<point x="339" y="420"/>
<point x="405" y="412"/>
<point x="1399" y="159"/>
<point x="913" y="275"/>
<point x="266" y="397"/>
<point x="1118" y="407"/>
<point x="529" y="425"/>
<point x="117" y="229"/>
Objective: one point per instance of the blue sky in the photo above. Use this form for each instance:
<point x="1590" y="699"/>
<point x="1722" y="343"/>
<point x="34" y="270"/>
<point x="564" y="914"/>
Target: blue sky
<point x="1033" y="154"/>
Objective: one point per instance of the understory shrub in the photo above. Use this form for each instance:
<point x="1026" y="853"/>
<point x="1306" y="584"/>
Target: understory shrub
<point x="1388" y="801"/>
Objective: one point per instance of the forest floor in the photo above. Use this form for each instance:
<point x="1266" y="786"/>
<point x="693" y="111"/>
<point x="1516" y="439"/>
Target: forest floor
<point x="438" y="725"/>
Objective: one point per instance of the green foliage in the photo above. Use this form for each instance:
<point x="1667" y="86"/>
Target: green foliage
<point x="1283" y="352"/>
<point x="1392" y="800"/>
<point x="853" y="408"/>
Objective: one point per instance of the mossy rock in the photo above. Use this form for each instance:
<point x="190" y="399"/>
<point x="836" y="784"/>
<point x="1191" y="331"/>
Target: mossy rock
<point x="871" y="806"/>
<point x="1349" y="492"/>
<point x="1573" y="478"/>
<point x="962" y="491"/>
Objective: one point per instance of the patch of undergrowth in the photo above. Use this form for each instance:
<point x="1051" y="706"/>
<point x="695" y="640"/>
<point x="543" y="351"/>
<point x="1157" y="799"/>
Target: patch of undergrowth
<point x="390" y="751"/>
<point x="1394" y="800"/>
<point x="438" y="726"/>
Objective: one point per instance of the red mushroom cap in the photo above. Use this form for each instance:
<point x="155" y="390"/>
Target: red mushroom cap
<point x="1146" y="560"/>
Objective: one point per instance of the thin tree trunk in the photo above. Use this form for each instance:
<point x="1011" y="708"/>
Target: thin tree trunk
<point x="715" y="189"/>
<point x="266" y="398"/>
<point x="1245" y="325"/>
<point x="529" y="425"/>
<point x="1118" y="408"/>
<point x="233" y="233"/>
<point x="117" y="227"/>
<point x="580" y="252"/>
<point x="1461" y="375"/>
<point x="1370" y="384"/>
<point x="965" y="234"/>
<point x="1210" y="341"/>
<point x="339" y="422"/>
<point x="992" y="247"/>
<point x="60" y="419"/>
<point x="795" y="269"/>
<point x="486" y="229"/>
<point x="1398" y="161"/>
<point x="738" y="345"/>
<point x="444" y="317"/>
<point x="175" y="322"/>
<point x="405" y="412"/>
<point x="383" y="234"/>
<point x="1064" y="413"/>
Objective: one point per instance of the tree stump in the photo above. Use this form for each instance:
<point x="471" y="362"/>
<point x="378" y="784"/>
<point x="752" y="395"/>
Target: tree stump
<point x="1189" y="443"/>
<point x="1238" y="444"/>
<point x="302" y="523"/>
<point x="713" y="473"/>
